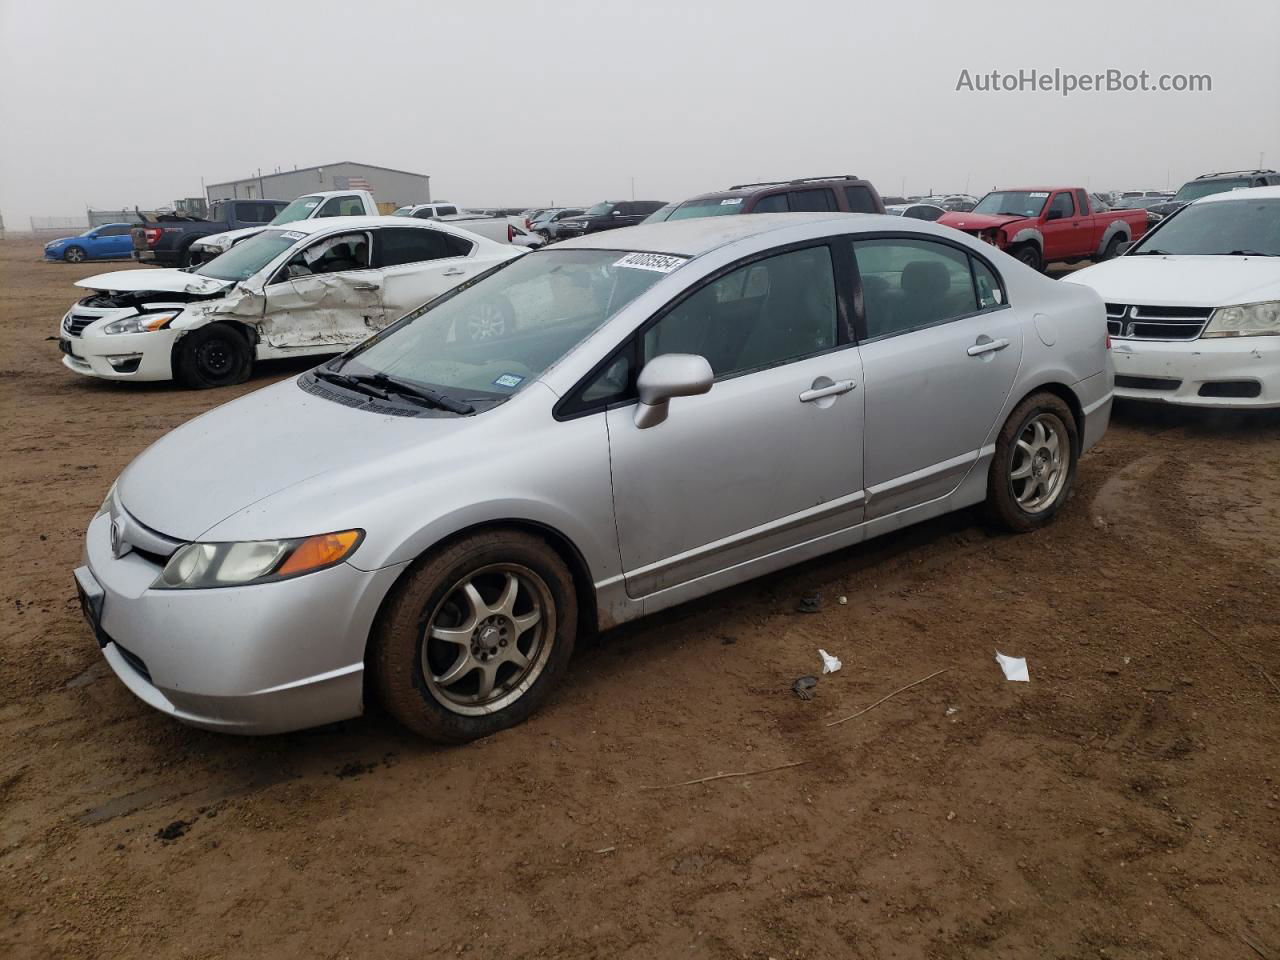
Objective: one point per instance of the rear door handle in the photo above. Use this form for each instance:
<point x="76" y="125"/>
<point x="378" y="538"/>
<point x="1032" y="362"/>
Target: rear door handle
<point x="363" y="285"/>
<point x="453" y="272"/>
<point x="837" y="388"/>
<point x="987" y="346"/>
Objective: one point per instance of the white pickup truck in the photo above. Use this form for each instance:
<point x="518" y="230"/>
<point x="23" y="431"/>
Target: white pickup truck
<point x="331" y="203"/>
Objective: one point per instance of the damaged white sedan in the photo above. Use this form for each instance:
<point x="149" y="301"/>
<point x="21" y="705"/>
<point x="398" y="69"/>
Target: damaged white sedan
<point x="313" y="288"/>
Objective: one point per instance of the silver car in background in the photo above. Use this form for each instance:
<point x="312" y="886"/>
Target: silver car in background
<point x="674" y="408"/>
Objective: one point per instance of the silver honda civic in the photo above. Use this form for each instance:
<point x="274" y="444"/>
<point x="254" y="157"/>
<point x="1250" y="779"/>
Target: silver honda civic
<point x="657" y="413"/>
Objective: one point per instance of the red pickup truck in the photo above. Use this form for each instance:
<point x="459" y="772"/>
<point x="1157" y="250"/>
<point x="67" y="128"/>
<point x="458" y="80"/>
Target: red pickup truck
<point x="1049" y="224"/>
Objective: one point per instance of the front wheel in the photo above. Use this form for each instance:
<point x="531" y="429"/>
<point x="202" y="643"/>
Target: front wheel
<point x="1034" y="464"/>
<point x="476" y="637"/>
<point x="1029" y="255"/>
<point x="218" y="355"/>
<point x="74" y="255"/>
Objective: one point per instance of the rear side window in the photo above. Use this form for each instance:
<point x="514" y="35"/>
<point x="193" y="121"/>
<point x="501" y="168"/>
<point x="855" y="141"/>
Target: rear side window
<point x="446" y="211"/>
<point x="812" y="200"/>
<point x="909" y="284"/>
<point x="398" y="245"/>
<point x="859" y="200"/>
<point x="990" y="293"/>
<point x="773" y="203"/>
<point x="762" y="314"/>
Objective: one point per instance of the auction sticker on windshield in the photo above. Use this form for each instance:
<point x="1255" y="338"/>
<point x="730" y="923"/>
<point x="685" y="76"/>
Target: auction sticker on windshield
<point x="659" y="262"/>
<point x="291" y="235"/>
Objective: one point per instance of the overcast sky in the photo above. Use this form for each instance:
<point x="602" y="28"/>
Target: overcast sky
<point x="509" y="102"/>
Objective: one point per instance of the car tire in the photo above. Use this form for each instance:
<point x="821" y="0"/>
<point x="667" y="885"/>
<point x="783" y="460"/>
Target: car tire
<point x="218" y="355"/>
<point x="488" y="320"/>
<point x="184" y="256"/>
<point x="1034" y="465"/>
<point x="1112" y="248"/>
<point x="1028" y="254"/>
<point x="74" y="255"/>
<point x="431" y="648"/>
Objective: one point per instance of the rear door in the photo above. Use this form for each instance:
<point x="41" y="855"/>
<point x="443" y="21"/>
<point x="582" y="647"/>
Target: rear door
<point x="940" y="349"/>
<point x="327" y="295"/>
<point x="417" y="264"/>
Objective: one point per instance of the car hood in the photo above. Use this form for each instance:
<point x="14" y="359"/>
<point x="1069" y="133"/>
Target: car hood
<point x="1192" y="281"/>
<point x="161" y="281"/>
<point x="228" y="237"/>
<point x="232" y="459"/>
<point x="976" y="221"/>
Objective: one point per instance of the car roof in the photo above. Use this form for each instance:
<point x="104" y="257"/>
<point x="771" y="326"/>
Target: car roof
<point x="693" y="238"/>
<point x="1248" y="193"/>
<point x="326" y="224"/>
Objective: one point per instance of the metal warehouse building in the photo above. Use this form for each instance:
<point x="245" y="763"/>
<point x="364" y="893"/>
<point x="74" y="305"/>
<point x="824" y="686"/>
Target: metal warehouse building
<point x="394" y="187"/>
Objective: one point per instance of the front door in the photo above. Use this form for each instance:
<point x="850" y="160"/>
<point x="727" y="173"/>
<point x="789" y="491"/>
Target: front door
<point x="328" y="295"/>
<point x="942" y="347"/>
<point x="772" y="456"/>
<point x="1062" y="228"/>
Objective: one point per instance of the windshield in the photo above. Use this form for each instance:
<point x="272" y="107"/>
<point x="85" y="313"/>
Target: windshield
<point x="249" y="256"/>
<point x="1207" y="188"/>
<point x="300" y="209"/>
<point x="692" y="209"/>
<point x="1013" y="203"/>
<point x="599" y="210"/>
<point x="1218" y="229"/>
<point x="490" y="339"/>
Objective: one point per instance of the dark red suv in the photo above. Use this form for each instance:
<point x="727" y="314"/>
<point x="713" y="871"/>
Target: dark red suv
<point x="848" y="194"/>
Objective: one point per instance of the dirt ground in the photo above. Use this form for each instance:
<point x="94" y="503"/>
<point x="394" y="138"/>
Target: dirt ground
<point x="1124" y="804"/>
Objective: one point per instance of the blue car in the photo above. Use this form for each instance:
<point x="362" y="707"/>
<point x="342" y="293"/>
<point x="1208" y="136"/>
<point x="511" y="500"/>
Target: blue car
<point x="111" y="241"/>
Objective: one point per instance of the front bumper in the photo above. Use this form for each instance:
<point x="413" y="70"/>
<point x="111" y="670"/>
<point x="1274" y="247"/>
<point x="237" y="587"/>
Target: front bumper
<point x="112" y="357"/>
<point x="1226" y="373"/>
<point x="257" y="659"/>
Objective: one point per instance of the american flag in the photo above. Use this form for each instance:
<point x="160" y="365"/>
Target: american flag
<point x="351" y="183"/>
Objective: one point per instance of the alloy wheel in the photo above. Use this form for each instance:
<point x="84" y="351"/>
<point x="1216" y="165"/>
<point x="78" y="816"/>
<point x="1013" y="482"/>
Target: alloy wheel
<point x="1041" y="463"/>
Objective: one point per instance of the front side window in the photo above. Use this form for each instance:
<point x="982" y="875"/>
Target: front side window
<point x="773" y="203"/>
<point x="342" y="207"/>
<point x="908" y="284"/>
<point x="551" y="300"/>
<point x="1219" y="228"/>
<point x="600" y="210"/>
<point x="248" y="256"/>
<point x="764" y="313"/>
<point x="336" y="254"/>
<point x="1062" y="206"/>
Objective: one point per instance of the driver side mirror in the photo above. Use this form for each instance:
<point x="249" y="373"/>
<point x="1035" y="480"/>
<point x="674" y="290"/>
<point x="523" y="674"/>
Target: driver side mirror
<point x="617" y="213"/>
<point x="666" y="376"/>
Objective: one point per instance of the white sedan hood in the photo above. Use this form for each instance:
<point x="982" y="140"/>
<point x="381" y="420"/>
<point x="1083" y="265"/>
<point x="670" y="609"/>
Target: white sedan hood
<point x="160" y="281"/>
<point x="1183" y="280"/>
<point x="225" y="239"/>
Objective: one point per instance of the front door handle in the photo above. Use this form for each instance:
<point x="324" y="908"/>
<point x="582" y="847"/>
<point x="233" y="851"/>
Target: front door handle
<point x="454" y="272"/>
<point x="986" y="345"/>
<point x="837" y="388"/>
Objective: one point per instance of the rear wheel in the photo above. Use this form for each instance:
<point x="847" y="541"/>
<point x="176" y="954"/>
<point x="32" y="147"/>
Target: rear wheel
<point x="476" y="637"/>
<point x="1029" y="255"/>
<point x="74" y="255"/>
<point x="218" y="355"/>
<point x="1034" y="464"/>
<point x="1112" y="248"/>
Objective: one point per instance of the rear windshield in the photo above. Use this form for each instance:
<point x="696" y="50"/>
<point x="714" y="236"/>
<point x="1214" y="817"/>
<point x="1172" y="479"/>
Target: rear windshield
<point x="719" y="207"/>
<point x="1207" y="188"/>
<point x="249" y="256"/>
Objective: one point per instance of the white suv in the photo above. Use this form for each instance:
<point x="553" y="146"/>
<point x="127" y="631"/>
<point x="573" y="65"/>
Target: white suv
<point x="1194" y="307"/>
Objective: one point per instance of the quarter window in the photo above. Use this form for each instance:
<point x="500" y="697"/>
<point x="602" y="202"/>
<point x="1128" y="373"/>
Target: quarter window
<point x="764" y="313"/>
<point x="990" y="293"/>
<point x="908" y="284"/>
<point x="859" y="200"/>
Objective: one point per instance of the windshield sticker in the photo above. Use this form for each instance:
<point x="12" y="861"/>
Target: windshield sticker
<point x="1038" y="196"/>
<point x="311" y="205"/>
<point x="730" y="202"/>
<point x="508" y="380"/>
<point x="658" y="262"/>
<point x="290" y="235"/>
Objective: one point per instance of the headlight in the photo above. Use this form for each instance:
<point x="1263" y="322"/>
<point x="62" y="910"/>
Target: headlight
<point x="202" y="565"/>
<point x="142" y="323"/>
<point x="106" y="502"/>
<point x="1245" y="320"/>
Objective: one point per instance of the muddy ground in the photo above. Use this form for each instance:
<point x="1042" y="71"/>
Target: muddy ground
<point x="1124" y="804"/>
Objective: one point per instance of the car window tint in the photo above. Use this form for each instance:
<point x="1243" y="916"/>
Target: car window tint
<point x="397" y="245"/>
<point x="611" y="383"/>
<point x="1061" y="205"/>
<point x="990" y="293"/>
<point x="859" y="200"/>
<point x="111" y="231"/>
<point x="908" y="284"/>
<point x="761" y="314"/>
<point x="813" y="200"/>
<point x="773" y="203"/>
<point x="446" y="211"/>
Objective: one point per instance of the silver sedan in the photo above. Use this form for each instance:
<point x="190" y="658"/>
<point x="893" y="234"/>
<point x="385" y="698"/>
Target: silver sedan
<point x="668" y="410"/>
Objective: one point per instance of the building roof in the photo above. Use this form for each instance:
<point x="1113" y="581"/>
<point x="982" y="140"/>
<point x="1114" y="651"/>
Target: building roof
<point x="318" y="166"/>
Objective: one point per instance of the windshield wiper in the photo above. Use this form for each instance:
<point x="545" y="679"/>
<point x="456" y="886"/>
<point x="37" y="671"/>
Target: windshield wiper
<point x="1152" y="253"/>
<point x="1251" y="253"/>
<point x="350" y="382"/>
<point x="426" y="395"/>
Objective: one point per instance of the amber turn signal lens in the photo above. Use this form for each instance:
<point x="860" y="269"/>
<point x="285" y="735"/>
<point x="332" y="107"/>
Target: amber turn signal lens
<point x="319" y="551"/>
